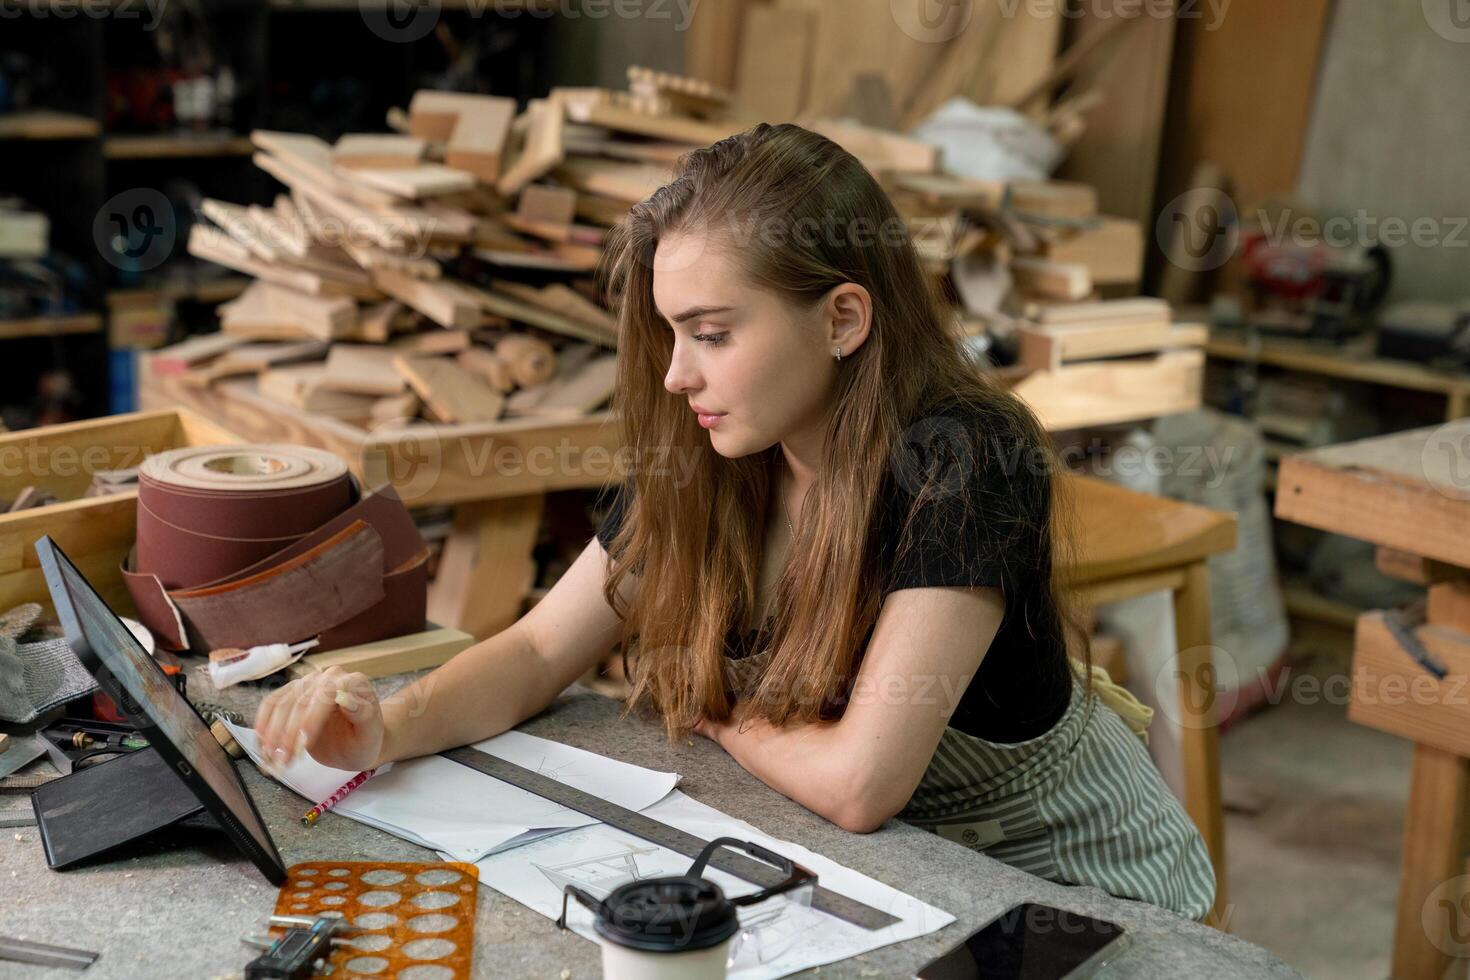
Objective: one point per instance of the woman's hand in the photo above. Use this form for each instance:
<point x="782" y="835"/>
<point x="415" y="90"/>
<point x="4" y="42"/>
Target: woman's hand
<point x="335" y="716"/>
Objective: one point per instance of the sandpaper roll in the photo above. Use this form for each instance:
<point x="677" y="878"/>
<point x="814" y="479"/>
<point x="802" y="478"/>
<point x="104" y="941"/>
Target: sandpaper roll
<point x="206" y="512"/>
<point x="359" y="575"/>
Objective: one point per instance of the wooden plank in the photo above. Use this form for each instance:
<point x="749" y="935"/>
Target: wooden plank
<point x="1406" y="491"/>
<point x="710" y="46"/>
<point x="523" y="312"/>
<point x="552" y="205"/>
<point x="775" y="61"/>
<point x="879" y="151"/>
<point x="1415" y="568"/>
<point x="1112" y="250"/>
<point x="1199" y="735"/>
<point x="1248" y="81"/>
<point x="486" y="569"/>
<point x="604" y="113"/>
<point x="446" y="302"/>
<point x="541" y="149"/>
<point x="451" y="392"/>
<point x="629" y="182"/>
<point x="47" y="124"/>
<point x="384" y="658"/>
<point x="1433" y="868"/>
<point x="415" y="183"/>
<point x="477" y="144"/>
<point x="1047" y="349"/>
<point x="362" y="368"/>
<point x="1107" y="392"/>
<point x="1143" y="310"/>
<point x="580" y="393"/>
<point x="378" y="151"/>
<point x="1053" y="198"/>
<point x="1449" y="606"/>
<point x="1394" y="693"/>
<point x="1054" y="280"/>
<point x="1118" y="153"/>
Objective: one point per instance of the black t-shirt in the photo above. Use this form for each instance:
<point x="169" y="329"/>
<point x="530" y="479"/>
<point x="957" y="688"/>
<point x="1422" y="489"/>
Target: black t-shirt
<point x="1024" y="684"/>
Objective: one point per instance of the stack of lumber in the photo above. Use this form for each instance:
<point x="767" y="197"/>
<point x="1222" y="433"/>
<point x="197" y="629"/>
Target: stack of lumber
<point x="447" y="270"/>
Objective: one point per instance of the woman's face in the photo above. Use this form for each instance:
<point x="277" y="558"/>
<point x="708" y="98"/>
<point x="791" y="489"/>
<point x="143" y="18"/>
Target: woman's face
<point x="742" y="352"/>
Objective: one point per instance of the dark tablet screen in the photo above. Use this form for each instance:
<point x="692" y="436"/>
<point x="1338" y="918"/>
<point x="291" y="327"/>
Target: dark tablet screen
<point x="148" y="698"/>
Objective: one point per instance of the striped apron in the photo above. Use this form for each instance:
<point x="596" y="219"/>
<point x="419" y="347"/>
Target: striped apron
<point x="1082" y="804"/>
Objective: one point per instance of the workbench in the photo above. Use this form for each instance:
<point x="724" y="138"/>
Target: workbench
<point x="180" y="912"/>
<point x="1409" y="494"/>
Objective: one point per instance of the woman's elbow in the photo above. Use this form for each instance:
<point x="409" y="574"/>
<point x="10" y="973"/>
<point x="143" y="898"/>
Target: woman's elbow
<point x="859" y="821"/>
<point x="863" y="813"/>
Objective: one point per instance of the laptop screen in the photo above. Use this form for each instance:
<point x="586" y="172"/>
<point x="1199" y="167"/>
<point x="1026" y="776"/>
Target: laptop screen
<point x="149" y="700"/>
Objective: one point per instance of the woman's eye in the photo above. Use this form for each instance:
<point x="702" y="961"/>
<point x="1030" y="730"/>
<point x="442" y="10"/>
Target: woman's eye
<point x="713" y="339"/>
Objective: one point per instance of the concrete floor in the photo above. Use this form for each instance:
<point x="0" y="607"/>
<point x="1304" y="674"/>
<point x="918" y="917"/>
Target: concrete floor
<point x="1314" y="819"/>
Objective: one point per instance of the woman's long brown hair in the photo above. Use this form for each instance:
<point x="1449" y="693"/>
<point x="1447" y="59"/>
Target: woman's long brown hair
<point x="802" y="215"/>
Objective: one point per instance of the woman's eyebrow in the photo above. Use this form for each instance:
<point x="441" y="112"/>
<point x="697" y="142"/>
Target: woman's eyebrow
<point x="697" y="311"/>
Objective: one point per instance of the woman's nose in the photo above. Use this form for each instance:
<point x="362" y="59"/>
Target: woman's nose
<point x="682" y="376"/>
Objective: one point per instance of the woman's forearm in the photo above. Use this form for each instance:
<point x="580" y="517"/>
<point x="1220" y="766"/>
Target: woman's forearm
<point x="482" y="691"/>
<point x="804" y="762"/>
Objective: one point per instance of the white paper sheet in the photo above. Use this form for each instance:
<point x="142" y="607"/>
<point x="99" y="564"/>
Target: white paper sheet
<point x="453" y="809"/>
<point x="778" y="937"/>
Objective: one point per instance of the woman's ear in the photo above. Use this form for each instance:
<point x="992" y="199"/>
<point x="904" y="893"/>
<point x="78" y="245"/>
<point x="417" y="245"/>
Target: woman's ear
<point x="850" y="317"/>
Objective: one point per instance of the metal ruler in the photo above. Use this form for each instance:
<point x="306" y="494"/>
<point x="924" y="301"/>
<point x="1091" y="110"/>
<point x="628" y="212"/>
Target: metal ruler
<point x="40" y="954"/>
<point x="632" y="822"/>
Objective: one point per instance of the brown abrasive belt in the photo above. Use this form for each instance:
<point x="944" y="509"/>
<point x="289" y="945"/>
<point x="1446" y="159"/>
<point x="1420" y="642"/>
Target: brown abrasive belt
<point x="243" y="545"/>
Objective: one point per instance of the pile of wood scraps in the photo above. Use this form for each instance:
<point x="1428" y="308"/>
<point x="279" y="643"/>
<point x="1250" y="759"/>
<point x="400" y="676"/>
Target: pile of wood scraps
<point x="1105" y="362"/>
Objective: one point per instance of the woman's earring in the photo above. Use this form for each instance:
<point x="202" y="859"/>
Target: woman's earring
<point x="839" y="355"/>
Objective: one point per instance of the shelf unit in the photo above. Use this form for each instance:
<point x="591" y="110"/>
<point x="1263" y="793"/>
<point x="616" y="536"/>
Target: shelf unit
<point x="313" y="66"/>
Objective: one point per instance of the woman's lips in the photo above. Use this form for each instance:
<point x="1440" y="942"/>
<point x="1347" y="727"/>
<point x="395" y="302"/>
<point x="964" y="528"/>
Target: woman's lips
<point x="710" y="421"/>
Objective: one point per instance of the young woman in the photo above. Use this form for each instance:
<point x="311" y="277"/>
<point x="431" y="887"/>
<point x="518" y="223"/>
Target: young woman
<point x="833" y="557"/>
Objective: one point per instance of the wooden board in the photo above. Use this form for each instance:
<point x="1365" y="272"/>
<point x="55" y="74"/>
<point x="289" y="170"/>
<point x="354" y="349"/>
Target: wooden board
<point x="1393" y="693"/>
<point x="424" y="180"/>
<point x="628" y="182"/>
<point x="775" y="61"/>
<point x="95" y="532"/>
<point x="477" y="144"/>
<point x="1118" y="153"/>
<point x="541" y="149"/>
<point x="446" y="302"/>
<point x="1048" y="348"/>
<point x="1409" y="491"/>
<point x="1249" y="81"/>
<point x="696" y="132"/>
<point x="378" y="150"/>
<point x="881" y="152"/>
<point x="1112" y="250"/>
<point x="537" y="316"/>
<point x="451" y="392"/>
<point x="1104" y="392"/>
<point x="384" y="658"/>
<point x="1051" y="279"/>
<point x="363" y="368"/>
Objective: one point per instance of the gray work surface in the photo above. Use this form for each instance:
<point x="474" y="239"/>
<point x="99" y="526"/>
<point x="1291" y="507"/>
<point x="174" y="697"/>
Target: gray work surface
<point x="180" y="912"/>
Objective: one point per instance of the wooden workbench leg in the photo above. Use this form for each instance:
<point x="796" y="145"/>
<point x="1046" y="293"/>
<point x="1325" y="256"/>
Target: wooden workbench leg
<point x="1426" y="938"/>
<point x="1199" y="734"/>
<point x="1456" y="403"/>
<point x="482" y="579"/>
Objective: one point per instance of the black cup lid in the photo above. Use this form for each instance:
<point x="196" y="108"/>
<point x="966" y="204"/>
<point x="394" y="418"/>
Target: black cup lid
<point x="668" y="915"/>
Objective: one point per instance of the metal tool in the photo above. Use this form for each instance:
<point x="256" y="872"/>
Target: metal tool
<point x="629" y="821"/>
<point x="22" y="752"/>
<point x="302" y="952"/>
<point x="40" y="954"/>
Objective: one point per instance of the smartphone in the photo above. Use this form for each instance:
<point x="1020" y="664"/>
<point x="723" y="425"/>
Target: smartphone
<point x="1032" y="942"/>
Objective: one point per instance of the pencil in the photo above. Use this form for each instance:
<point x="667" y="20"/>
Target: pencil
<point x="311" y="815"/>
